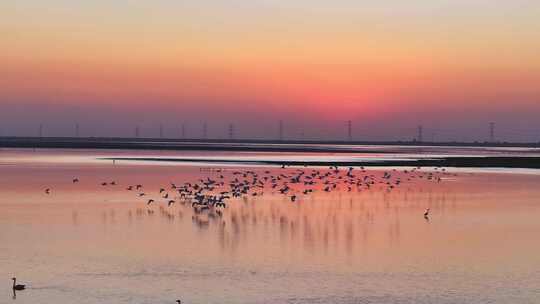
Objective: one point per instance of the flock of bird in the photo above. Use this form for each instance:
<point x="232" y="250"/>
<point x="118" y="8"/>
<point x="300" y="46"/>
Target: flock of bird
<point x="211" y="194"/>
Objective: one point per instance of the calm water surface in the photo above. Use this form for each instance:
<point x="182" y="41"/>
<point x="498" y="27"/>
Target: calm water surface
<point x="87" y="243"/>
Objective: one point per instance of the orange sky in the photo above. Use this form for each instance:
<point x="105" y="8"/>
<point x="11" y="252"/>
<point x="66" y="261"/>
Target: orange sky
<point x="338" y="61"/>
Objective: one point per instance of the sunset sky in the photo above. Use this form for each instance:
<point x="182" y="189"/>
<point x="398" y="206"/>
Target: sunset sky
<point x="451" y="65"/>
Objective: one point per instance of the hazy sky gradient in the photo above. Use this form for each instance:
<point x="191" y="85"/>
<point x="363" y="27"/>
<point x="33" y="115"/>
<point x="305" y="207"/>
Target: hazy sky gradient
<point x="451" y="65"/>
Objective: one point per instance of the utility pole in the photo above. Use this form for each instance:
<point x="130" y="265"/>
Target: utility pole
<point x="349" y="130"/>
<point x="77" y="130"/>
<point x="183" y="131"/>
<point x="281" y="130"/>
<point x="420" y="137"/>
<point x="160" y="130"/>
<point x="40" y="130"/>
<point x="492" y="132"/>
<point x="137" y="132"/>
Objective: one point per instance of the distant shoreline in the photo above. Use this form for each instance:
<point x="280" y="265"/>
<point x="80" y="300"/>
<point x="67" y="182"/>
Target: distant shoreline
<point x="456" y="162"/>
<point x="238" y="145"/>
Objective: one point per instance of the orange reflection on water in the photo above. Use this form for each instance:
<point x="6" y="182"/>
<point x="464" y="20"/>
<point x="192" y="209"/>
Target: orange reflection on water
<point x="482" y="231"/>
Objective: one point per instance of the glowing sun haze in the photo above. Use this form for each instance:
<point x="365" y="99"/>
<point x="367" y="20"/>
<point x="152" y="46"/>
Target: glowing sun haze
<point x="451" y="65"/>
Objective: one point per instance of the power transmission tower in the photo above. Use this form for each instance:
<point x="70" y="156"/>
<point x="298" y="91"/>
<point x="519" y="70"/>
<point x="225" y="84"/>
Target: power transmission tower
<point x="492" y="132"/>
<point x="205" y="131"/>
<point x="231" y="131"/>
<point x="349" y="130"/>
<point x="420" y="137"/>
<point x="281" y="130"/>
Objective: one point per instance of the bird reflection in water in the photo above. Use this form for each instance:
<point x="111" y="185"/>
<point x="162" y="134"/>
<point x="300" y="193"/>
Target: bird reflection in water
<point x="312" y="208"/>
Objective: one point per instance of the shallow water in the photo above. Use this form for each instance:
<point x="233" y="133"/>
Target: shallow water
<point x="87" y="243"/>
